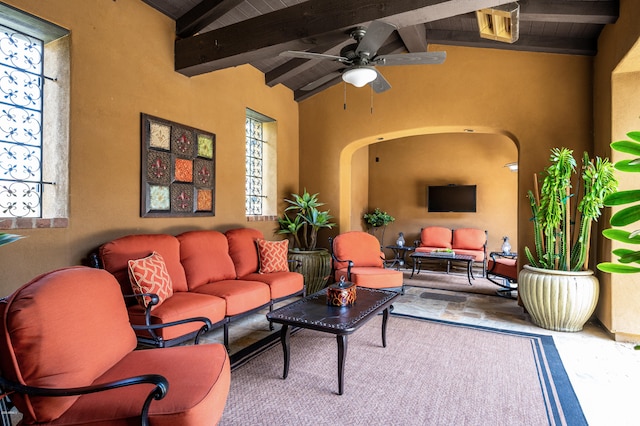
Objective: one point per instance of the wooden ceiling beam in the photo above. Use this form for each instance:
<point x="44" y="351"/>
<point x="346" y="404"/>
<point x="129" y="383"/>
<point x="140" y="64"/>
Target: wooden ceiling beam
<point x="414" y="37"/>
<point x="304" y="25"/>
<point x="203" y="14"/>
<point x="580" y="12"/>
<point x="529" y="43"/>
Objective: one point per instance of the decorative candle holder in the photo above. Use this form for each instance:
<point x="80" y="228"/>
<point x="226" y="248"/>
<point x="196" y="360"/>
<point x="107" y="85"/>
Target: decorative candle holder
<point x="342" y="293"/>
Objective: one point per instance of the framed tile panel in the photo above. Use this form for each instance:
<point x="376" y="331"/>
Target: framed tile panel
<point x="178" y="169"/>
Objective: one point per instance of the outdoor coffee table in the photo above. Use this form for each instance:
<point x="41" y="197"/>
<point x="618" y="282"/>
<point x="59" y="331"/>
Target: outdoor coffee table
<point x="312" y="312"/>
<point x="418" y="257"/>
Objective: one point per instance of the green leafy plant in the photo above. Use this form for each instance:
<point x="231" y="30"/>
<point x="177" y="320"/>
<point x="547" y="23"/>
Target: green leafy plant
<point x="8" y="238"/>
<point x="559" y="245"/>
<point x="628" y="258"/>
<point x="378" y="218"/>
<point x="302" y="220"/>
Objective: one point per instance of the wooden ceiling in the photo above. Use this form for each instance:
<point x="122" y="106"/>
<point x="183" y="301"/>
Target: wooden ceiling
<point x="217" y="34"/>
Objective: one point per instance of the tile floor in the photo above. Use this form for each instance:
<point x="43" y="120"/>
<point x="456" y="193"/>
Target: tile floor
<point x="604" y="373"/>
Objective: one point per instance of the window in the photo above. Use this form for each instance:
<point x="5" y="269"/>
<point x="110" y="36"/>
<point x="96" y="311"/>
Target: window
<point x="260" y="165"/>
<point x="34" y="113"/>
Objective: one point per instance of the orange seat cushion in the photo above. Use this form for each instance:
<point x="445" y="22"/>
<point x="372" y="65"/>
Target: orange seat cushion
<point x="115" y="254"/>
<point x="281" y="284"/>
<point x="178" y="307"/>
<point x="504" y="267"/>
<point x="242" y="249"/>
<point x="372" y="277"/>
<point x="205" y="256"/>
<point x="435" y="236"/>
<point x="361" y="248"/>
<point x="240" y="295"/>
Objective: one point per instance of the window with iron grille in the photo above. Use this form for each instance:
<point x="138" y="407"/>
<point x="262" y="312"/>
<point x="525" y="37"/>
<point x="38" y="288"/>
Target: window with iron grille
<point x="34" y="101"/>
<point x="257" y="161"/>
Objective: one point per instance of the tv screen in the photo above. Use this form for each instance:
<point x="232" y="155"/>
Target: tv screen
<point x="451" y="198"/>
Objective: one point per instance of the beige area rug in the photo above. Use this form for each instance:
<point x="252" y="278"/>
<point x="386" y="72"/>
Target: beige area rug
<point x="430" y="373"/>
<point x="453" y="281"/>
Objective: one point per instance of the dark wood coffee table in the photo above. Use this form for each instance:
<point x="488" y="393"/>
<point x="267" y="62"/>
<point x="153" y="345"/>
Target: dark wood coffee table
<point x="419" y="257"/>
<point x="312" y="312"/>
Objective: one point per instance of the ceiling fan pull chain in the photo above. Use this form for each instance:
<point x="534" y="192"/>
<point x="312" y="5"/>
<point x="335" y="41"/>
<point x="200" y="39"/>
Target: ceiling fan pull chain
<point x="345" y="95"/>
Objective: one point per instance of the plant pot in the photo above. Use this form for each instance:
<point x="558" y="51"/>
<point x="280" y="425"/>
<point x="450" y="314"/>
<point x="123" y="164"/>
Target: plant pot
<point x="315" y="267"/>
<point x="558" y="300"/>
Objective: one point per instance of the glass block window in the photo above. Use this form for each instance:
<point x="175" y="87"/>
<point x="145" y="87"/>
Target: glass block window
<point x="255" y="162"/>
<point x="21" y="105"/>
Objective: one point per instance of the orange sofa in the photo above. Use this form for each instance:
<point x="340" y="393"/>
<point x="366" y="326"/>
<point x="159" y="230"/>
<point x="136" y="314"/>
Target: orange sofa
<point x="464" y="241"/>
<point x="67" y="358"/>
<point x="213" y="275"/>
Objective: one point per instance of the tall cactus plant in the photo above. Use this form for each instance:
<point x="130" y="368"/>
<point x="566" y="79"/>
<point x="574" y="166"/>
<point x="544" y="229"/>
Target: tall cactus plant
<point x="562" y="242"/>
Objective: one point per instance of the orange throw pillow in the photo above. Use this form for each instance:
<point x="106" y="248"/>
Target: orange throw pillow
<point x="149" y="275"/>
<point x="273" y="256"/>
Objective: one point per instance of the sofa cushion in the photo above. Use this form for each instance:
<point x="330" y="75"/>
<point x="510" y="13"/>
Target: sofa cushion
<point x="373" y="277"/>
<point x="240" y="295"/>
<point x="51" y="340"/>
<point x="273" y="256"/>
<point x="469" y="239"/>
<point x="281" y="284"/>
<point x="435" y="236"/>
<point x="361" y="248"/>
<point x="181" y="305"/>
<point x="149" y="275"/>
<point x="242" y="249"/>
<point x="205" y="256"/>
<point x="115" y="254"/>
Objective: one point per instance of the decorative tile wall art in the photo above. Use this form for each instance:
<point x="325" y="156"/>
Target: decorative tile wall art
<point x="178" y="169"/>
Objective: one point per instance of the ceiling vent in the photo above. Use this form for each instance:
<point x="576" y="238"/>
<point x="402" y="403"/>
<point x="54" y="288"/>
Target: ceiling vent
<point x="500" y="23"/>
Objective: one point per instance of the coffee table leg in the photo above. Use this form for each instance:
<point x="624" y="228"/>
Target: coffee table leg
<point x="284" y="338"/>
<point x="342" y="356"/>
<point x="385" y="318"/>
<point x="470" y="271"/>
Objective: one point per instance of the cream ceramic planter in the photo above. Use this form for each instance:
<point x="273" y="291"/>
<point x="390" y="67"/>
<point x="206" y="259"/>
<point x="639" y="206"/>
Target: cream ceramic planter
<point x="558" y="300"/>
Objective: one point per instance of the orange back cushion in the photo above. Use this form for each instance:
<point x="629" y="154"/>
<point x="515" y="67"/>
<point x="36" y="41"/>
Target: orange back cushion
<point x="242" y="249"/>
<point x="116" y="254"/>
<point x="435" y="236"/>
<point x="469" y="239"/>
<point x="205" y="256"/>
<point x="360" y="247"/>
<point x="64" y="329"/>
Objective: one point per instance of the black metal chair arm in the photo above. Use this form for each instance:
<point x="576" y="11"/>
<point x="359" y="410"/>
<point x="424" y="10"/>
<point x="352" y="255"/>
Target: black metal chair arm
<point x="159" y="392"/>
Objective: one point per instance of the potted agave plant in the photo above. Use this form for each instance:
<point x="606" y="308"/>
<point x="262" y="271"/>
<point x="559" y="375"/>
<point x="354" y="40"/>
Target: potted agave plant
<point x="301" y="221"/>
<point x="8" y="238"/>
<point x="557" y="288"/>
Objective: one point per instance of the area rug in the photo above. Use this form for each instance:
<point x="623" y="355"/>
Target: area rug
<point x="431" y="373"/>
<point x="453" y="281"/>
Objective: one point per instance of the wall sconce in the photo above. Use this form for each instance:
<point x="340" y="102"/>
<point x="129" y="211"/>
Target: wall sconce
<point x="500" y="23"/>
<point x="512" y="166"/>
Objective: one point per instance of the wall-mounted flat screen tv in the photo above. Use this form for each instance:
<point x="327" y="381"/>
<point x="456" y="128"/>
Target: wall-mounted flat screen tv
<point x="451" y="198"/>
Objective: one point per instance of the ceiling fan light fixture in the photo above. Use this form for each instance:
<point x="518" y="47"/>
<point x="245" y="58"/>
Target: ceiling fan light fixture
<point x="359" y="76"/>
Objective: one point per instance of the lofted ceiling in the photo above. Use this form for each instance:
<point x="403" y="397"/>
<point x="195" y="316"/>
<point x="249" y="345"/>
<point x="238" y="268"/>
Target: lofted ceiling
<point x="218" y="34"/>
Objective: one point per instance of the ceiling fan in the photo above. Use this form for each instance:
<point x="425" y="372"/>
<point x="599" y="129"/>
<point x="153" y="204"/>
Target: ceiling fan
<point x="361" y="60"/>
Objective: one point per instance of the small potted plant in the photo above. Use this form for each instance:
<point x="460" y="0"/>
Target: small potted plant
<point x="376" y="220"/>
<point x="301" y="221"/>
<point x="557" y="288"/>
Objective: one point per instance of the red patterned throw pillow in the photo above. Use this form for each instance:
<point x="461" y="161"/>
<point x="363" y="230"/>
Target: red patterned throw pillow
<point x="273" y="256"/>
<point x="149" y="275"/>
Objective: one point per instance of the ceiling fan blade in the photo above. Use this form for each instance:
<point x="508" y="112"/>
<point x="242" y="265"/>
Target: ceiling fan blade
<point x="322" y="80"/>
<point x="311" y="55"/>
<point x="375" y="35"/>
<point x="380" y="84"/>
<point x="417" y="58"/>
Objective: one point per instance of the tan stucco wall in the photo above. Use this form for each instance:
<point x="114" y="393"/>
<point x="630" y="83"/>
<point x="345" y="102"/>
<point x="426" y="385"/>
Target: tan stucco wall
<point x="617" y="111"/>
<point x="122" y="65"/>
<point x="538" y="101"/>
<point x="406" y="166"/>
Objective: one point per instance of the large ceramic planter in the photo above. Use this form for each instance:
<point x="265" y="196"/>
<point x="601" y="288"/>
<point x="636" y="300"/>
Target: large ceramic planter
<point x="558" y="300"/>
<point x="315" y="267"/>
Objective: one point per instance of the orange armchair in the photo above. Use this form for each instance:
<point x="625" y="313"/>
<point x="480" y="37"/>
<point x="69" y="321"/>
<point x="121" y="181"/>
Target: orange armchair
<point x="65" y="338"/>
<point x="357" y="257"/>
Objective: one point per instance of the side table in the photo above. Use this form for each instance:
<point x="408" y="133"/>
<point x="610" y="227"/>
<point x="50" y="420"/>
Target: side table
<point x="400" y="253"/>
